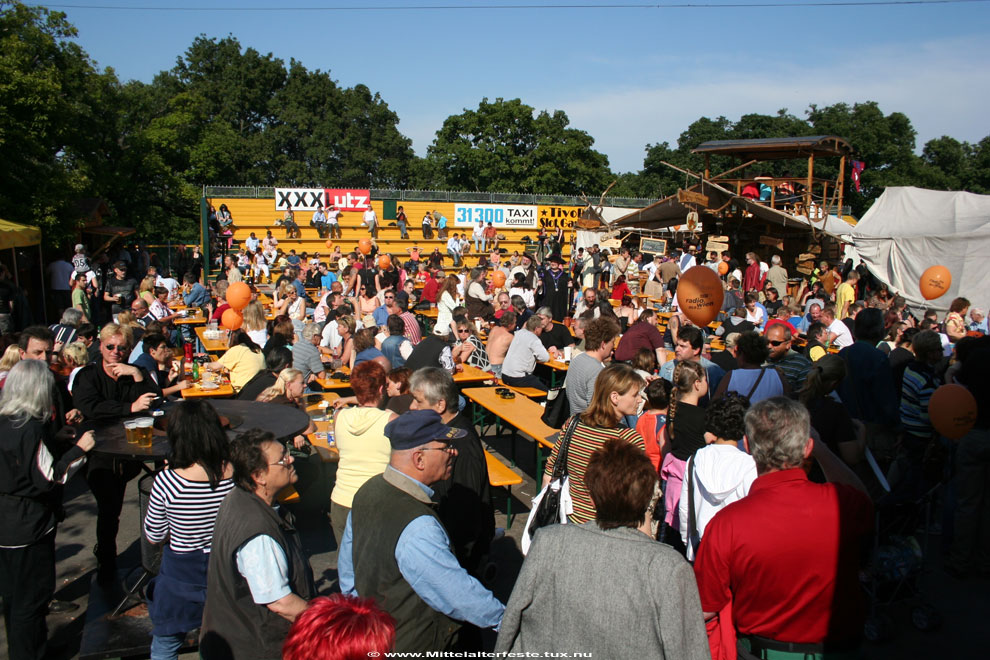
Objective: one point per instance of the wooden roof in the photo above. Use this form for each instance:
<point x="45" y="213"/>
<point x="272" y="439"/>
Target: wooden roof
<point x="778" y="148"/>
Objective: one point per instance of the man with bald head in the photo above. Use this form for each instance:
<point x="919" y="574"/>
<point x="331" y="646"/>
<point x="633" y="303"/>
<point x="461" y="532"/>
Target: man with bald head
<point x="792" y="364"/>
<point x="814" y="315"/>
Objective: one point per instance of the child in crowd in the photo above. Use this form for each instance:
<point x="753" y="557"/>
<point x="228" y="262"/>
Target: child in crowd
<point x="652" y="421"/>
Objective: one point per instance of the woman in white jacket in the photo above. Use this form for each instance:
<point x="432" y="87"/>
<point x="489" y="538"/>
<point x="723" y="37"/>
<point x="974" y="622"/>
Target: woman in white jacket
<point x="721" y="472"/>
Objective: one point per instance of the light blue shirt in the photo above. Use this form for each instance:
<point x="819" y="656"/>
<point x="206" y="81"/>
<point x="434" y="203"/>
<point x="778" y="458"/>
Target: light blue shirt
<point x="713" y="371"/>
<point x="263" y="564"/>
<point x="979" y="327"/>
<point x="197" y="296"/>
<point x="431" y="569"/>
<point x="441" y="221"/>
<point x="327" y="280"/>
<point x="380" y="315"/>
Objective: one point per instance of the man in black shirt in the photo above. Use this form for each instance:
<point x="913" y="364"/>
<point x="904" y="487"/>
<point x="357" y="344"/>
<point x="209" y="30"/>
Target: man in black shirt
<point x="107" y="391"/>
<point x="554" y="335"/>
<point x="120" y="290"/>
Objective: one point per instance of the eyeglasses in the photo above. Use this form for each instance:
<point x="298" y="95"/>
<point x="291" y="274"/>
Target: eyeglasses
<point x="389" y="297"/>
<point x="284" y="461"/>
<point x="463" y="331"/>
<point x="447" y="448"/>
<point x="118" y="348"/>
<point x="778" y="342"/>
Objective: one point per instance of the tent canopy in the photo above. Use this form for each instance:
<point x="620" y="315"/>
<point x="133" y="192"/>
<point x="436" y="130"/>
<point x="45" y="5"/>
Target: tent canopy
<point x="13" y="235"/>
<point x="777" y="148"/>
<point x="909" y="229"/>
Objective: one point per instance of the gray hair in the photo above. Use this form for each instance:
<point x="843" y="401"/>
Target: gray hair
<point x="777" y="430"/>
<point x="545" y="311"/>
<point x="27" y="392"/>
<point x="71" y="316"/>
<point x="775" y="259"/>
<point x="533" y="322"/>
<point x="310" y="330"/>
<point x="435" y="385"/>
<point x="976" y="311"/>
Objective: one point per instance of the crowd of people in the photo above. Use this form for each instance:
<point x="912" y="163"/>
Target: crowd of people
<point x="742" y="448"/>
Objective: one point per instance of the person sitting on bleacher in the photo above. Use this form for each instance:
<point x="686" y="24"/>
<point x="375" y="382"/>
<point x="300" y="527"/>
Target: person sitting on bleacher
<point x="319" y="221"/>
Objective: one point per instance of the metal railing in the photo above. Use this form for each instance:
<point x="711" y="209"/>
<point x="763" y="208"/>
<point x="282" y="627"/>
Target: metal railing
<point x="252" y="192"/>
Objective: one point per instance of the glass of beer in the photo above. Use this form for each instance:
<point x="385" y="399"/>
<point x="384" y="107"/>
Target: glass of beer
<point x="130" y="431"/>
<point x="143" y="430"/>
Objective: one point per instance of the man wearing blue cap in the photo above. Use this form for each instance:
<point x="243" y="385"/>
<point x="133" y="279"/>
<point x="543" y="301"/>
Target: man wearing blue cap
<point x="396" y="550"/>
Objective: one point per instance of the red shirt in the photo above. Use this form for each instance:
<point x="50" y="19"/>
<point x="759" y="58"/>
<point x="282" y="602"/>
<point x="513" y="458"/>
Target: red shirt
<point x="430" y="289"/>
<point x="753" y="279"/>
<point x="619" y="290"/>
<point x="639" y="335"/>
<point x="218" y="312"/>
<point x="788" y="324"/>
<point x="787" y="555"/>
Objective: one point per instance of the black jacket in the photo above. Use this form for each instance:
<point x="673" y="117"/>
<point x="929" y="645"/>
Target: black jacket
<point x="101" y="398"/>
<point x="31" y="476"/>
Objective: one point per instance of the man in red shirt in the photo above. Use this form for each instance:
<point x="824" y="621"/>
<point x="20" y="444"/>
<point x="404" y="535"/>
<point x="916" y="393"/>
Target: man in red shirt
<point x="430" y="288"/>
<point x="786" y="556"/>
<point x="641" y="334"/>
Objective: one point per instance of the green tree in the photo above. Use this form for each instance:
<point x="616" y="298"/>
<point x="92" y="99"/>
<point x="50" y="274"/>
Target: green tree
<point x="504" y="146"/>
<point x="52" y="127"/>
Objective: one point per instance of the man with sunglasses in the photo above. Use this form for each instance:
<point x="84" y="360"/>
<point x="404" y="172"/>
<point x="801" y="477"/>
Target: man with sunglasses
<point x="792" y="364"/>
<point x="396" y="550"/>
<point x="105" y="391"/>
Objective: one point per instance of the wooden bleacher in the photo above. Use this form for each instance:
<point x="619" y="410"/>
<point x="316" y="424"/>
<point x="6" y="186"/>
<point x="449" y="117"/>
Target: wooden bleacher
<point x="259" y="215"/>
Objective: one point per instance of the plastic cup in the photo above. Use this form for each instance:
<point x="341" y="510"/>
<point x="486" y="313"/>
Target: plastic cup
<point x="130" y="431"/>
<point x="143" y="430"/>
<point x="567" y="353"/>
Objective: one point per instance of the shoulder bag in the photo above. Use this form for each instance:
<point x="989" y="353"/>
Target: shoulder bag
<point x="553" y="502"/>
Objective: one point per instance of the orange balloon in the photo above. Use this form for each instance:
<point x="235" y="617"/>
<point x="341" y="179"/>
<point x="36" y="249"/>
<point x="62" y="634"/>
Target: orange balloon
<point x="365" y="245"/>
<point x="498" y="279"/>
<point x="329" y="243"/>
<point x="699" y="295"/>
<point x="238" y="295"/>
<point x="231" y="319"/>
<point x="935" y="282"/>
<point x="952" y="411"/>
<point x="384" y="262"/>
<point x="723" y="267"/>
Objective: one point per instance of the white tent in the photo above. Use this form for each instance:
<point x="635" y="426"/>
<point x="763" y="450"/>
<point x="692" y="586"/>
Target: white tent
<point x="909" y="229"/>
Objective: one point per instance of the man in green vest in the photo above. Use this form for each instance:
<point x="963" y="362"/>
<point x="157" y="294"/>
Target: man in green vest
<point x="396" y="550"/>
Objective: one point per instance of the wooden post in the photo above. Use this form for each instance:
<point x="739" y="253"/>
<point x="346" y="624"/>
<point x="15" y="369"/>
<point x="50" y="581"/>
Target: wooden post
<point x="841" y="185"/>
<point x="807" y="191"/>
<point x="708" y="167"/>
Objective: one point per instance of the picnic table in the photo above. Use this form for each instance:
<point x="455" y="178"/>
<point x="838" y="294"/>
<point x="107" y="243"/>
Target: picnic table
<point x="520" y="414"/>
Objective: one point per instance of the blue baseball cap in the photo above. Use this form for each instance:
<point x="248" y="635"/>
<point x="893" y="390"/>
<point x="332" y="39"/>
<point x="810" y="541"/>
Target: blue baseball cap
<point x="418" y="427"/>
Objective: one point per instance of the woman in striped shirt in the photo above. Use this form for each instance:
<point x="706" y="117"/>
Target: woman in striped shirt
<point x="182" y="510"/>
<point x="617" y="394"/>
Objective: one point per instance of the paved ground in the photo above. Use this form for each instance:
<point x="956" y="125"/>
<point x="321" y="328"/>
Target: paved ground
<point x="964" y="605"/>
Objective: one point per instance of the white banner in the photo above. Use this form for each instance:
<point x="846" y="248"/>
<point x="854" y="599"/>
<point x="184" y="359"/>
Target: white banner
<point x="500" y="215"/>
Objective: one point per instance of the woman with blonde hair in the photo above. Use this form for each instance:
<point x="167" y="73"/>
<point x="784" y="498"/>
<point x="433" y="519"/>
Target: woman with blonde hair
<point x="255" y="323"/>
<point x="11" y="356"/>
<point x="287" y="389"/>
<point x="146" y="290"/>
<point x="617" y="394"/>
<point x="75" y="356"/>
<point x="683" y="435"/>
<point x="129" y="327"/>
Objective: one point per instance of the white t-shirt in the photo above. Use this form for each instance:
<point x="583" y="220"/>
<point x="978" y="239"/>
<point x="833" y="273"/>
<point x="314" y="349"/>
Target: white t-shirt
<point x="722" y="475"/>
<point x="478" y="231"/>
<point x="332" y="216"/>
<point x="843" y="337"/>
<point x="453" y="245"/>
<point x="370" y="218"/>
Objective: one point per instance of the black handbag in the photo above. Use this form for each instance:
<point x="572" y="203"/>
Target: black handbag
<point x="557" y="408"/>
<point x="548" y="512"/>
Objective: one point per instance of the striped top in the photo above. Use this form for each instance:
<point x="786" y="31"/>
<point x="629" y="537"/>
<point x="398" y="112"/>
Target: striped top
<point x="586" y="441"/>
<point x="183" y="511"/>
<point x="916" y="389"/>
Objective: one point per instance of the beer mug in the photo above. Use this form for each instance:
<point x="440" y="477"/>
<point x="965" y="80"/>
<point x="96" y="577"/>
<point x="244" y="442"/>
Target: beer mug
<point x="143" y="431"/>
<point x="130" y="431"/>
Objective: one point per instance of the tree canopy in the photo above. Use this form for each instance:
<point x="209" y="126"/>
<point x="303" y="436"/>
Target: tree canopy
<point x="226" y="114"/>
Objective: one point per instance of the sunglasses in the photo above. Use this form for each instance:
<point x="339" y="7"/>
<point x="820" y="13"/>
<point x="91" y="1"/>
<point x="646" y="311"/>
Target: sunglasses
<point x="463" y="331"/>
<point x="118" y="348"/>
<point x="389" y="297"/>
<point x="778" y="343"/>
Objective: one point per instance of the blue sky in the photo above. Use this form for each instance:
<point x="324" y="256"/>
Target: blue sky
<point x="628" y="77"/>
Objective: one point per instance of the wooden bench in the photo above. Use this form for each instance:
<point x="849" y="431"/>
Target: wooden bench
<point x="520" y="414"/>
<point x="501" y="475"/>
<point x="528" y="392"/>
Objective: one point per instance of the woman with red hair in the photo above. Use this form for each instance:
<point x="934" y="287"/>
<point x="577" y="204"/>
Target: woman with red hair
<point x="340" y="628"/>
<point x="360" y="436"/>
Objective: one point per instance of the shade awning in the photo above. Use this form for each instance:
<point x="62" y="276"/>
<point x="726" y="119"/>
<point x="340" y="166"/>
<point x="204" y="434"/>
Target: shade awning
<point x="778" y="148"/>
<point x="13" y="235"/>
<point x="670" y="212"/>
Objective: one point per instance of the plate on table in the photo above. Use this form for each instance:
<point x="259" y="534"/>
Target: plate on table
<point x="209" y="387"/>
